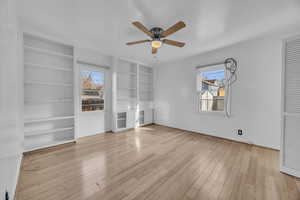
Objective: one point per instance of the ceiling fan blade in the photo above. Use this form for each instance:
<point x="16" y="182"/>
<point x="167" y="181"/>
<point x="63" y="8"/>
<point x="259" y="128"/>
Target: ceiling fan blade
<point x="137" y="42"/>
<point x="154" y="50"/>
<point x="140" y="26"/>
<point x="173" y="43"/>
<point x="176" y="27"/>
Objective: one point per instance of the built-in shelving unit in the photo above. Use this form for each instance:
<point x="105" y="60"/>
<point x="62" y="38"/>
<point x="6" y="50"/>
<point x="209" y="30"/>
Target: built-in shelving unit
<point x="145" y="95"/>
<point x="145" y="83"/>
<point x="134" y="95"/>
<point x="48" y="93"/>
<point x="126" y="85"/>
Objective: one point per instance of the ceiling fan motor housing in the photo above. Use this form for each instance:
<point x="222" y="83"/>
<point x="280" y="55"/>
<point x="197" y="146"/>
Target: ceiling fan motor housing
<point x="157" y="31"/>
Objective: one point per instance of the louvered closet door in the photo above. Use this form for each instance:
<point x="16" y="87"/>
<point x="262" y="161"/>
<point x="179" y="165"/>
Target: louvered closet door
<point x="291" y="115"/>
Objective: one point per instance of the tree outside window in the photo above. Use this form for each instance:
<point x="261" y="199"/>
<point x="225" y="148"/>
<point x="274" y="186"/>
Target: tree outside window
<point x="92" y="92"/>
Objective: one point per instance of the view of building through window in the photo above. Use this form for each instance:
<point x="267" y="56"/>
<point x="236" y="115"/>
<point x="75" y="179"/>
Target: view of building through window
<point x="92" y="93"/>
<point x="212" y="94"/>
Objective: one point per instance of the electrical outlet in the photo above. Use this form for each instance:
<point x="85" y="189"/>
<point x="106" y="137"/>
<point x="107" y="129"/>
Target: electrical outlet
<point x="240" y="132"/>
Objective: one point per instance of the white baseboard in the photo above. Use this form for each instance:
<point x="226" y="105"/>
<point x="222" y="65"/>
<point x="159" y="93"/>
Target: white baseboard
<point x="126" y="129"/>
<point x="219" y="136"/>
<point x="19" y="165"/>
<point x="121" y="129"/>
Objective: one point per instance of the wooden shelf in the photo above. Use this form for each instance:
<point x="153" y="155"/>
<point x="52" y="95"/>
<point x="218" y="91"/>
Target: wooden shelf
<point x="145" y="91"/>
<point x="49" y="83"/>
<point x="44" y="132"/>
<point x="48" y="52"/>
<point x="127" y="88"/>
<point x="27" y="121"/>
<point x="127" y="99"/>
<point x="45" y="101"/>
<point x="127" y="73"/>
<point x="146" y="82"/>
<point x="146" y="73"/>
<point x="42" y="146"/>
<point x="57" y="68"/>
<point x="146" y="100"/>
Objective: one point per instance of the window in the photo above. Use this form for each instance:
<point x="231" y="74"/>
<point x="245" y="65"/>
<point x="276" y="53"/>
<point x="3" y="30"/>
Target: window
<point x="211" y="88"/>
<point x="92" y="90"/>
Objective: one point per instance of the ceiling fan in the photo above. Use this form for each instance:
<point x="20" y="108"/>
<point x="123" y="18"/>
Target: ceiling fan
<point x="156" y="34"/>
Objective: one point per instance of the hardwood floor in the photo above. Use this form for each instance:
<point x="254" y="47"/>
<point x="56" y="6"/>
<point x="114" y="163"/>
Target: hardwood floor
<point x="155" y="163"/>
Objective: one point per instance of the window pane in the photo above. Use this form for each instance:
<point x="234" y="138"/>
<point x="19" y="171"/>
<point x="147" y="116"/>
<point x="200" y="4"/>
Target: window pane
<point x="212" y="94"/>
<point x="92" y="93"/>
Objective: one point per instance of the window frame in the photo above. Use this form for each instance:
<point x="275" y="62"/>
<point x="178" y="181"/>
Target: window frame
<point x="92" y="69"/>
<point x="198" y="91"/>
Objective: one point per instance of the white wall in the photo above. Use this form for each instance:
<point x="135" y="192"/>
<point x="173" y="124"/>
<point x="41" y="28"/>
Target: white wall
<point x="91" y="123"/>
<point x="256" y="96"/>
<point x="10" y="99"/>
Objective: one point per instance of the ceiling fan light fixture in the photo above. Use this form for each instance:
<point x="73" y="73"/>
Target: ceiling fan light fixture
<point x="156" y="44"/>
<point x="156" y="34"/>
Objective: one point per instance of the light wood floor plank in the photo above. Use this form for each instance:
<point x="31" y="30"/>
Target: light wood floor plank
<point x="155" y="163"/>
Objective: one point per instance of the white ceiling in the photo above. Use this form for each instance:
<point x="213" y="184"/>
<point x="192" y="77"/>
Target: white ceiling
<point x="106" y="24"/>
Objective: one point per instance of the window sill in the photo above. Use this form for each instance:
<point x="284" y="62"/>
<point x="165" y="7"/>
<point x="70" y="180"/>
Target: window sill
<point x="213" y="113"/>
<point x="91" y="112"/>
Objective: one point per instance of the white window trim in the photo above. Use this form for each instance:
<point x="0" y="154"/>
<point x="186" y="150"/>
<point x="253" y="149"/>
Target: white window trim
<point x="227" y="92"/>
